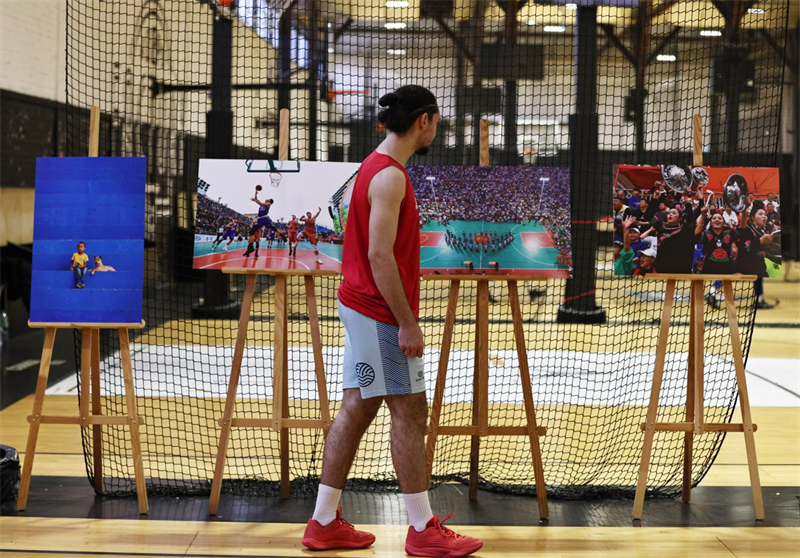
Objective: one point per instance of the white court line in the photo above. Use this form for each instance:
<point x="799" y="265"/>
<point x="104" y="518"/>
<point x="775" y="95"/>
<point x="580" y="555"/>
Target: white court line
<point x="598" y="381"/>
<point x="237" y="259"/>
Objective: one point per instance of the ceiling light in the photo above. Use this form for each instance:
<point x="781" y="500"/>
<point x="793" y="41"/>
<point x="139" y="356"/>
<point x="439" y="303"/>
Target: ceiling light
<point x="395" y="25"/>
<point x="397" y="4"/>
<point x="755" y="10"/>
<point x="554" y="28"/>
<point x="666" y="58"/>
<point x="396" y="51"/>
<point x="710" y="33"/>
<point x="330" y="25"/>
<point x="331" y="51"/>
<point x="571" y="6"/>
<point x="530" y="22"/>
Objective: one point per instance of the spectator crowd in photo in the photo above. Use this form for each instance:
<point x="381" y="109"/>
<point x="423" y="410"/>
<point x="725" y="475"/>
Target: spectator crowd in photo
<point x="659" y="230"/>
<point x="213" y="218"/>
<point x="495" y="195"/>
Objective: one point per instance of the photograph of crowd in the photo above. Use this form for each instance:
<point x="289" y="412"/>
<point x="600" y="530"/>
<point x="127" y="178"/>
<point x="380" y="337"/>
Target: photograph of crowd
<point x="268" y="214"/>
<point x="709" y="220"/>
<point x="516" y="217"/>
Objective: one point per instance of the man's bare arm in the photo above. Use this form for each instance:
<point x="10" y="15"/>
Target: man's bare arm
<point x="386" y="193"/>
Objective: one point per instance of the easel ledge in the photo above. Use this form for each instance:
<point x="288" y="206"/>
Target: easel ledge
<point x="274" y="272"/>
<point x="486" y="277"/>
<point x="698" y="277"/>
<point x="93" y="325"/>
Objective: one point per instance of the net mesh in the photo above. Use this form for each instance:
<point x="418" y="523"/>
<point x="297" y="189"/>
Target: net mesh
<point x="148" y="65"/>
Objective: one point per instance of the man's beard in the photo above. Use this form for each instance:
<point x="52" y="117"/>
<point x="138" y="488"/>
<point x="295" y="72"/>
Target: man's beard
<point x="423" y="150"/>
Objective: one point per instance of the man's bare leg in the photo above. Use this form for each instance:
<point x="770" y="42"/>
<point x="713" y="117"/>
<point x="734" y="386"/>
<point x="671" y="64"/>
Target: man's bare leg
<point x="341" y="445"/>
<point x="409" y="422"/>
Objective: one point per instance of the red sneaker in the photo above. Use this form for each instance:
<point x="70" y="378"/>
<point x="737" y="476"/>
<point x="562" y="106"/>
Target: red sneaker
<point x="336" y="534"/>
<point x="439" y="541"/>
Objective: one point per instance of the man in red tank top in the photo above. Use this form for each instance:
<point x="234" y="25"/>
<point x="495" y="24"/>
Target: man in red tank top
<point x="293" y="225"/>
<point x="379" y="307"/>
<point x="310" y="232"/>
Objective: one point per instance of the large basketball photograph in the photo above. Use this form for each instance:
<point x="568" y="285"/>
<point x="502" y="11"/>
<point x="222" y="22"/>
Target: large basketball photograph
<point x="708" y="220"/>
<point x="497" y="220"/>
<point x="269" y="214"/>
<point x="88" y="240"/>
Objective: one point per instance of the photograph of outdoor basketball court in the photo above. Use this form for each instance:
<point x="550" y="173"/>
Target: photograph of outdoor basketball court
<point x="291" y="215"/>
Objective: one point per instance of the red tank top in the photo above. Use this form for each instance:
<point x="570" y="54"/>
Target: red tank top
<point x="358" y="289"/>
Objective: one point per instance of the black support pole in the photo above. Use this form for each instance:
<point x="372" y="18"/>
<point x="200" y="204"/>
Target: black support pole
<point x="219" y="145"/>
<point x="313" y="80"/>
<point x="284" y="67"/>
<point x="579" y="303"/>
<point x="511" y="8"/>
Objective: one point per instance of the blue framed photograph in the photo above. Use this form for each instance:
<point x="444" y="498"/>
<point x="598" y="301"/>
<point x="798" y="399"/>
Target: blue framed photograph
<point x="88" y="240"/>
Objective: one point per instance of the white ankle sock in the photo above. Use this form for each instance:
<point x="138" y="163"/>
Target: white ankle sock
<point x="327" y="502"/>
<point x="419" y="511"/>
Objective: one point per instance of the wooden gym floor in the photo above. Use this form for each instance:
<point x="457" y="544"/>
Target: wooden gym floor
<point x="64" y="518"/>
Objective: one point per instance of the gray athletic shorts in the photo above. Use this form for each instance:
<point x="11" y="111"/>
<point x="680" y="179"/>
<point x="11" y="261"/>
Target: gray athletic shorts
<point x="373" y="360"/>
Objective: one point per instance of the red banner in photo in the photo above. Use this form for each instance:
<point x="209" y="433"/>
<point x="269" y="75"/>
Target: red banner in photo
<point x="760" y="180"/>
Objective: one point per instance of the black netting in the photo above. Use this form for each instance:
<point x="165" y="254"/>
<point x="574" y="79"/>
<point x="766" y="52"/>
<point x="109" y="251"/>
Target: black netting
<point x="149" y="66"/>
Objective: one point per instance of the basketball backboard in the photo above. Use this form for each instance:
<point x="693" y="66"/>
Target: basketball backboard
<point x="265" y="165"/>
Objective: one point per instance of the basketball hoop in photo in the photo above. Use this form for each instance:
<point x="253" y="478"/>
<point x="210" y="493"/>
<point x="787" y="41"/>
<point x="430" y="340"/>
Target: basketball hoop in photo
<point x="275" y="179"/>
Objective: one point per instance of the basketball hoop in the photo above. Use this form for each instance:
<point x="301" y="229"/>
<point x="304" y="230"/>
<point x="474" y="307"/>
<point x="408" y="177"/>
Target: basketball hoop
<point x="275" y="179"/>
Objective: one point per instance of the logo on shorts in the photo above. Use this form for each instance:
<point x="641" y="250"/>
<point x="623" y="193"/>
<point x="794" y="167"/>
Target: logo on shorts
<point x="365" y="373"/>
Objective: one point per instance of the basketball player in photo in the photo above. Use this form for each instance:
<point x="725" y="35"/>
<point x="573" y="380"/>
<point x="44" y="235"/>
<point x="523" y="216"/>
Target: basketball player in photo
<point x="229" y="235"/>
<point x="293" y="226"/>
<point x="262" y="221"/>
<point x="310" y="232"/>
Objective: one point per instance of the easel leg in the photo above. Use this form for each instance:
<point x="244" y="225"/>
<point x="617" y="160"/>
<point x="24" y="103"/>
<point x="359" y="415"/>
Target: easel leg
<point x="441" y="376"/>
<point x="133" y="420"/>
<point x="35" y="418"/>
<point x="280" y="396"/>
<point x="480" y="403"/>
<point x="688" y="438"/>
<point x="319" y="363"/>
<point x="527" y="394"/>
<point x="97" y="410"/>
<point x="699" y="360"/>
<point x="744" y="401"/>
<point x="230" y="400"/>
<point x="655" y="391"/>
<point x="86" y="367"/>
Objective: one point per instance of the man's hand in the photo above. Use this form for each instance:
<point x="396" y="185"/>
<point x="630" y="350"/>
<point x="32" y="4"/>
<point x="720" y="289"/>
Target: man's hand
<point x="628" y="222"/>
<point x="412" y="343"/>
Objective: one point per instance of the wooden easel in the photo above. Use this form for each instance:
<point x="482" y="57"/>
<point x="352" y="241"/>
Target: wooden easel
<point x="695" y="419"/>
<point x="279" y="420"/>
<point x="480" y="397"/>
<point x="90" y="387"/>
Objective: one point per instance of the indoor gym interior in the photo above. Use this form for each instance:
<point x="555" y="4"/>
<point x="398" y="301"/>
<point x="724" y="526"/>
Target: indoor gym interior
<point x="148" y="65"/>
